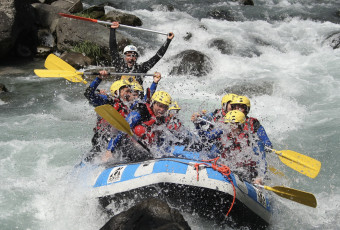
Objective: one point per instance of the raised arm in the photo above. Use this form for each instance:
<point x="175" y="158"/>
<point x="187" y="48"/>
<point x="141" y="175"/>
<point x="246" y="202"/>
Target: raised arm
<point x="146" y="66"/>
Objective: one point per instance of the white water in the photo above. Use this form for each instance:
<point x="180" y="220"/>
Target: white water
<point x="46" y="125"/>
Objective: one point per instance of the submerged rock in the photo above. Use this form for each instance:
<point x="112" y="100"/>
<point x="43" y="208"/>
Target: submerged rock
<point x="250" y="88"/>
<point x="3" y="88"/>
<point x="333" y="40"/>
<point x="192" y="62"/>
<point x="221" y="45"/>
<point x="149" y="214"/>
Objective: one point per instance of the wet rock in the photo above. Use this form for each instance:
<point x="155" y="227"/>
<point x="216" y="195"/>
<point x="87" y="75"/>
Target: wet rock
<point x="333" y="40"/>
<point x="221" y="45"/>
<point x="152" y="214"/>
<point x="124" y="18"/>
<point x="77" y="60"/>
<point x="250" y="88"/>
<point x="72" y="6"/>
<point x="71" y="33"/>
<point x="247" y="2"/>
<point x="17" y="29"/>
<point x="45" y="38"/>
<point x="187" y="36"/>
<point x="221" y="15"/>
<point x="3" y="88"/>
<point x="192" y="62"/>
<point x="162" y="7"/>
<point x="47" y="16"/>
<point x="43" y="51"/>
<point x="95" y="12"/>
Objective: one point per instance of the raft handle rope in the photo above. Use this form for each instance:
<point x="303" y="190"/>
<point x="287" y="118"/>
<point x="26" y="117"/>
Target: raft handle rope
<point x="223" y="169"/>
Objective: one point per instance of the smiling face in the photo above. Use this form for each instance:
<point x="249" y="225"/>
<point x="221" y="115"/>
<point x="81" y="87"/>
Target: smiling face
<point x="130" y="58"/>
<point x="159" y="109"/>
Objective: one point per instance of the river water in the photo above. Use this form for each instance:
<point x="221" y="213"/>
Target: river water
<point x="276" y="57"/>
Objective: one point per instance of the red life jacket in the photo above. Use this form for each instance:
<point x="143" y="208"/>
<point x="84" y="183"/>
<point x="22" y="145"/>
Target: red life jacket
<point x="144" y="130"/>
<point x="249" y="124"/>
<point x="173" y="123"/>
<point x="117" y="105"/>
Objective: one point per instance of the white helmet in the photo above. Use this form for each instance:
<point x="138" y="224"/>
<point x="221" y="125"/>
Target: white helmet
<point x="130" y="48"/>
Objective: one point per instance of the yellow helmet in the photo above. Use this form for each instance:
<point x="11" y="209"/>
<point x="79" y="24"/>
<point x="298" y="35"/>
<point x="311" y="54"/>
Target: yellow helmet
<point x="243" y="100"/>
<point x="118" y="84"/>
<point x="162" y="97"/>
<point x="227" y="98"/>
<point x="174" y="106"/>
<point x="136" y="86"/>
<point x="235" y="116"/>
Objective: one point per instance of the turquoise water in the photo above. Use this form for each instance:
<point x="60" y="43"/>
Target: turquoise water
<point x="282" y="64"/>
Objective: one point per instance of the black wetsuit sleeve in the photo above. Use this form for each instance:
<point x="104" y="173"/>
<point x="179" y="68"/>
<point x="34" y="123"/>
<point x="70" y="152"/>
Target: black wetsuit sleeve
<point x="146" y="66"/>
<point x="117" y="60"/>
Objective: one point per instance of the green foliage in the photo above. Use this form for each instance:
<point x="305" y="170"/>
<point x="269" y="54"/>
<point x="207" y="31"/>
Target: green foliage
<point x="84" y="14"/>
<point x="90" y="49"/>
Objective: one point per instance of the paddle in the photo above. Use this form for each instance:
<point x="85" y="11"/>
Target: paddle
<point x="109" y="23"/>
<point x="117" y="120"/>
<point x="295" y="195"/>
<point x="75" y="76"/>
<point x="297" y="161"/>
<point x="53" y="62"/>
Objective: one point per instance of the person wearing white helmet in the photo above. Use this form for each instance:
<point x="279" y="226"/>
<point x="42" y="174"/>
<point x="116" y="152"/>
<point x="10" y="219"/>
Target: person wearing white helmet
<point x="128" y="64"/>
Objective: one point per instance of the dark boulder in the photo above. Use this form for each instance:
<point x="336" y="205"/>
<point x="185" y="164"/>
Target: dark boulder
<point x="17" y="29"/>
<point x="124" y="18"/>
<point x="72" y="33"/>
<point x="247" y="2"/>
<point x="47" y="16"/>
<point x="221" y="15"/>
<point x="77" y="60"/>
<point x="333" y="40"/>
<point x="151" y="214"/>
<point x="73" y="6"/>
<point x="250" y="88"/>
<point x="192" y="62"/>
<point x="221" y="45"/>
<point x="95" y="12"/>
<point x="3" y="88"/>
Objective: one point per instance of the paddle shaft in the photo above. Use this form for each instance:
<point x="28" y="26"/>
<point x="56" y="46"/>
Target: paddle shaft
<point x="126" y="74"/>
<point x="109" y="23"/>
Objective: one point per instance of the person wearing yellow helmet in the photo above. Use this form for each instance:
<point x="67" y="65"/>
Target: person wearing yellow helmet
<point x="199" y="119"/>
<point x="144" y="118"/>
<point x="138" y="91"/>
<point x="172" y="120"/>
<point x="242" y="103"/>
<point x="119" y="99"/>
<point x="128" y="64"/>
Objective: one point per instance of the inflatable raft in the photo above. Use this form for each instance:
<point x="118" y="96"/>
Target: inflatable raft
<point x="192" y="186"/>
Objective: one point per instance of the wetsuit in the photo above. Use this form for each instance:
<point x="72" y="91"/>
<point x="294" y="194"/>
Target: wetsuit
<point x="119" y="63"/>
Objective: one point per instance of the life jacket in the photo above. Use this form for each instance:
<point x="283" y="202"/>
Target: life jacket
<point x="218" y="115"/>
<point x="236" y="146"/>
<point x="118" y="105"/>
<point x="144" y="129"/>
<point x="173" y="123"/>
<point x="251" y="124"/>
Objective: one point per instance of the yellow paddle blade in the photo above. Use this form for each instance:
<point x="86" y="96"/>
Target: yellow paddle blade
<point x="71" y="76"/>
<point x="114" y="118"/>
<point x="298" y="196"/>
<point x="299" y="162"/>
<point x="53" y="62"/>
<point x="275" y="171"/>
